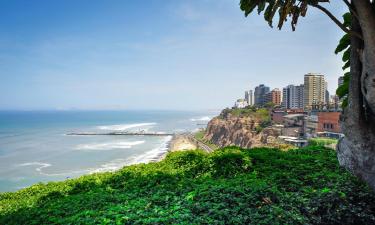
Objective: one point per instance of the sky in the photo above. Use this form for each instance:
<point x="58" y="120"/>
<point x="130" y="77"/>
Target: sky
<point x="155" y="54"/>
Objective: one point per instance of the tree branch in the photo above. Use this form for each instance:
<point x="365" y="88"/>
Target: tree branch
<point x="337" y="22"/>
<point x="348" y="3"/>
<point x="351" y="8"/>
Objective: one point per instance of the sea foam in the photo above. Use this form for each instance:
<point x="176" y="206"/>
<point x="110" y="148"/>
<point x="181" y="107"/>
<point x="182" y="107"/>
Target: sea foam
<point x="39" y="165"/>
<point x="108" y="146"/>
<point x="152" y="155"/>
<point x="204" y="118"/>
<point x="121" y="127"/>
<point x="149" y="156"/>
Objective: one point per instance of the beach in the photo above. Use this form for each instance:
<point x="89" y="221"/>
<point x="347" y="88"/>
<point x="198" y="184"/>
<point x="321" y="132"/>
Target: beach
<point x="181" y="142"/>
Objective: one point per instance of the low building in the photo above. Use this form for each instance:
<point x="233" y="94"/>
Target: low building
<point x="332" y="135"/>
<point x="294" y="141"/>
<point x="294" y="125"/>
<point x="240" y="104"/>
<point x="311" y="126"/>
<point x="294" y="120"/>
<point x="329" y="122"/>
<point x="277" y="116"/>
<point x="295" y="111"/>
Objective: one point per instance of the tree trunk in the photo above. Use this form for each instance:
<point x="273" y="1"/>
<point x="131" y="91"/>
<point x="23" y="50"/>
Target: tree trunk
<point x="356" y="151"/>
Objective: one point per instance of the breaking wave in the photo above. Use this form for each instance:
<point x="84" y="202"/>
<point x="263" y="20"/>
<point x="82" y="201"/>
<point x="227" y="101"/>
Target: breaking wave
<point x="204" y="118"/>
<point x="121" y="127"/>
<point x="39" y="165"/>
<point x="150" y="156"/>
<point x="108" y="146"/>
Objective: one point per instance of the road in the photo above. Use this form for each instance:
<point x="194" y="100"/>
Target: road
<point x="200" y="144"/>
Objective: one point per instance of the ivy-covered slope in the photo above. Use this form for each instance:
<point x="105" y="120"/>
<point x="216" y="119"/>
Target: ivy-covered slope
<point x="229" y="186"/>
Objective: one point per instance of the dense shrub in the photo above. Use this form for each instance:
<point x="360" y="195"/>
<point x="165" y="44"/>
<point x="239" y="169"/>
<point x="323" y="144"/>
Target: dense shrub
<point x="190" y="163"/>
<point x="229" y="186"/>
<point x="322" y="141"/>
<point x="229" y="162"/>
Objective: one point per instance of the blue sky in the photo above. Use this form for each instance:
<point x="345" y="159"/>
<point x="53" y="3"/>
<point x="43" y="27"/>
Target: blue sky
<point x="156" y="54"/>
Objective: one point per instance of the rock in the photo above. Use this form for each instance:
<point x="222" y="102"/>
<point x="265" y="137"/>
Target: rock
<point x="228" y="129"/>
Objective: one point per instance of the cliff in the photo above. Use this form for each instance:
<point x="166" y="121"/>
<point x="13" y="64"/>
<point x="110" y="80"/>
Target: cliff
<point x="242" y="128"/>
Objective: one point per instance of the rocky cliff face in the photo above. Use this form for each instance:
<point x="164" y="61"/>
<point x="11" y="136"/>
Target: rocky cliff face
<point x="241" y="131"/>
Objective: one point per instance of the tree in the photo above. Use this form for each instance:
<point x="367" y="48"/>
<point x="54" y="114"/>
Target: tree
<point x="356" y="151"/>
<point x="270" y="105"/>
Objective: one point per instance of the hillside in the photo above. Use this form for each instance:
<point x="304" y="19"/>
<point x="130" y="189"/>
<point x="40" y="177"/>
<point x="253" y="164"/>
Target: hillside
<point x="231" y="185"/>
<point x="246" y="128"/>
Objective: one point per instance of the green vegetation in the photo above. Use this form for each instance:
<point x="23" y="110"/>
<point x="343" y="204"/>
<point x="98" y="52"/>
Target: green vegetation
<point x="259" y="113"/>
<point x="229" y="186"/>
<point x="344" y="47"/>
<point x="270" y="105"/>
<point x="322" y="141"/>
<point x="200" y="136"/>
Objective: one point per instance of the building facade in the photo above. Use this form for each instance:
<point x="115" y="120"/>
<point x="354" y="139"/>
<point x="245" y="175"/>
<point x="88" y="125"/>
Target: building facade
<point x="294" y="125"/>
<point x="249" y="97"/>
<point x="274" y="96"/>
<point x="315" y="88"/>
<point x="277" y="116"/>
<point x="329" y="122"/>
<point x="327" y="97"/>
<point x="240" y="104"/>
<point x="311" y="125"/>
<point x="293" y="97"/>
<point x="260" y="95"/>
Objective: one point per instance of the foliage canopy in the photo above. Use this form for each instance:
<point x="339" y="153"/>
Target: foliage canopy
<point x="229" y="186"/>
<point x="292" y="9"/>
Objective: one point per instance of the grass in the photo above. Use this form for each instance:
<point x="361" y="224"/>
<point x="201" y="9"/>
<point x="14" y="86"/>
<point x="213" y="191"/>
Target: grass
<point x="261" y="114"/>
<point x="229" y="186"/>
<point x="322" y="141"/>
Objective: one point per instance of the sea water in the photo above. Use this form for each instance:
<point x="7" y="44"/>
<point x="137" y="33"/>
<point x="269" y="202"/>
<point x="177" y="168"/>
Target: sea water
<point x="34" y="146"/>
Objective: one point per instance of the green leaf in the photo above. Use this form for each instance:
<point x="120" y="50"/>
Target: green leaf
<point x="343" y="44"/>
<point x="346" y="56"/>
<point x="261" y="6"/>
<point x="346" y="66"/>
<point x="347" y="19"/>
<point x="190" y="196"/>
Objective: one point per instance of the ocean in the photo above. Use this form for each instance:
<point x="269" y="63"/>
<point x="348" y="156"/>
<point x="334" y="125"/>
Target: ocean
<point x="34" y="146"/>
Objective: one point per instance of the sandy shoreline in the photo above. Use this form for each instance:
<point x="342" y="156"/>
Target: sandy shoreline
<point x="179" y="142"/>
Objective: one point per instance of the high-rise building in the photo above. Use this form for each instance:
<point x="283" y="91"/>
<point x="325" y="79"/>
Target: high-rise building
<point x="293" y="97"/>
<point x="274" y="96"/>
<point x="260" y="94"/>
<point x="314" y="90"/>
<point x="341" y="81"/>
<point x="249" y="97"/>
<point x="327" y="97"/>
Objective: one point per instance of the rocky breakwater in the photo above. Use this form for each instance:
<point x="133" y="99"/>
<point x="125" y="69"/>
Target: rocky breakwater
<point x="242" y="128"/>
